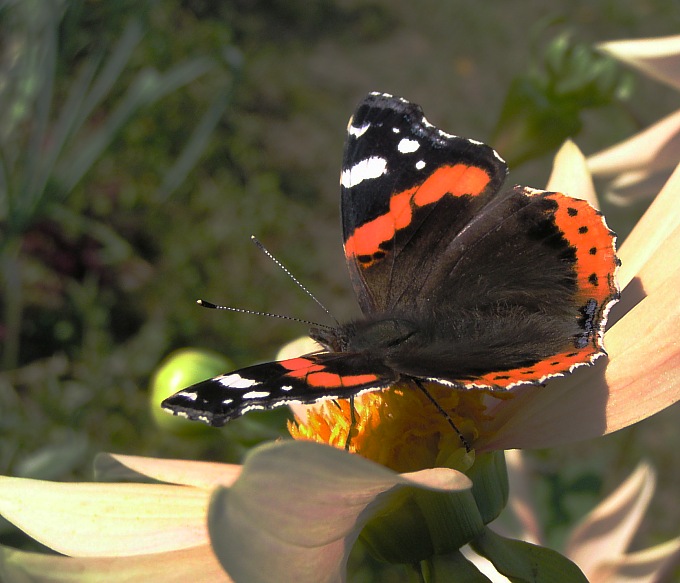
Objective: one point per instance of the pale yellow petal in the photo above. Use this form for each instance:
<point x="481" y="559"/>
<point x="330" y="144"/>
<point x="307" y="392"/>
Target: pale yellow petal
<point x="654" y="148"/>
<point x="652" y="231"/>
<point x="570" y="174"/>
<point x="197" y="565"/>
<point x="607" y="531"/>
<point x="85" y="519"/>
<point x="298" y="347"/>
<point x="657" y="57"/>
<point x="661" y="267"/>
<point x="114" y="467"/>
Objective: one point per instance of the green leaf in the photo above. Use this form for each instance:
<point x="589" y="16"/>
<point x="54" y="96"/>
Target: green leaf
<point x="522" y="562"/>
<point x="453" y="567"/>
<point x="197" y="142"/>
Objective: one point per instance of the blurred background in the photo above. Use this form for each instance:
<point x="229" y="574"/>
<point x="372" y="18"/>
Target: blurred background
<point x="143" y="142"/>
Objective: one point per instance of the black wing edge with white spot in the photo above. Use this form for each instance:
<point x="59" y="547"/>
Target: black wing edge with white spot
<point x="303" y="380"/>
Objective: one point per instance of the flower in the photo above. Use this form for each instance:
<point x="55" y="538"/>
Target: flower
<point x="398" y="428"/>
<point x="639" y="166"/>
<point x="599" y="543"/>
<point x="300" y="504"/>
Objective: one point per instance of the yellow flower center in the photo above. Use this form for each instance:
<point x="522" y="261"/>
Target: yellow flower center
<point x="398" y="427"/>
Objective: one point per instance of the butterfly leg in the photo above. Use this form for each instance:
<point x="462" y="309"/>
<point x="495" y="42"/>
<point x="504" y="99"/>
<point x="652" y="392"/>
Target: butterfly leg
<point x="352" y="423"/>
<point x="464" y="441"/>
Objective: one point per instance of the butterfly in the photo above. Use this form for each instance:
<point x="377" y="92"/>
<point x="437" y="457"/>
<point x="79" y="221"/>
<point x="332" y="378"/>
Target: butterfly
<point x="460" y="281"/>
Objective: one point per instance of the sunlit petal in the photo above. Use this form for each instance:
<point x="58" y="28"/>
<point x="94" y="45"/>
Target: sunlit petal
<point x="570" y="174"/>
<point x="653" y="230"/>
<point x="89" y="519"/>
<point x="114" y="467"/>
<point x="654" y="148"/>
<point x="298" y="347"/>
<point x="657" y="57"/>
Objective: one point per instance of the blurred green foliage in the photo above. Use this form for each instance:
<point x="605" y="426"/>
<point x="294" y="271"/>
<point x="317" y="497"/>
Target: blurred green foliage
<point x="543" y="107"/>
<point x="143" y="142"/>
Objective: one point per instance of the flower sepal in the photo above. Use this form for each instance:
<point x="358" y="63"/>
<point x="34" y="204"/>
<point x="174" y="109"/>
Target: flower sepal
<point x="490" y="487"/>
<point x="418" y="524"/>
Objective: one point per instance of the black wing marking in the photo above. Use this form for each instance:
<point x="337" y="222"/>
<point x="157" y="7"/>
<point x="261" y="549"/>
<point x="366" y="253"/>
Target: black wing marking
<point x="390" y="150"/>
<point x="303" y="380"/>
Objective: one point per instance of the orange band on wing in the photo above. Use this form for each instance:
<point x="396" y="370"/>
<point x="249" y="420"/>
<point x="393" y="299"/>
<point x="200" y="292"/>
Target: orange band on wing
<point x="585" y="230"/>
<point x="300" y="367"/>
<point x="329" y="379"/>
<point x="315" y="375"/>
<point x="553" y="366"/>
<point x="456" y="180"/>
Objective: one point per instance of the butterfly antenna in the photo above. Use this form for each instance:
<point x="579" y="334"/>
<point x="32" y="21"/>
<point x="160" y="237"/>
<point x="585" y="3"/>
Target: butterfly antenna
<point x="295" y="279"/>
<point x="206" y="304"/>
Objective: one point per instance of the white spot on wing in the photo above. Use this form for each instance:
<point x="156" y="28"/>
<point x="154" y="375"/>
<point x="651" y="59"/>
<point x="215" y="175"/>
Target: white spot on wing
<point x="191" y="395"/>
<point x="236" y="381"/>
<point x="176" y="413"/>
<point x="247" y="408"/>
<point x="407" y="146"/>
<point x="358" y="132"/>
<point x="286" y="388"/>
<point x="227" y="401"/>
<point x="372" y="167"/>
<point x="292" y="402"/>
<point x="420" y="164"/>
<point x="256" y="394"/>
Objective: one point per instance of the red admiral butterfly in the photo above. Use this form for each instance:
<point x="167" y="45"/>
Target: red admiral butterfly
<point x="460" y="283"/>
